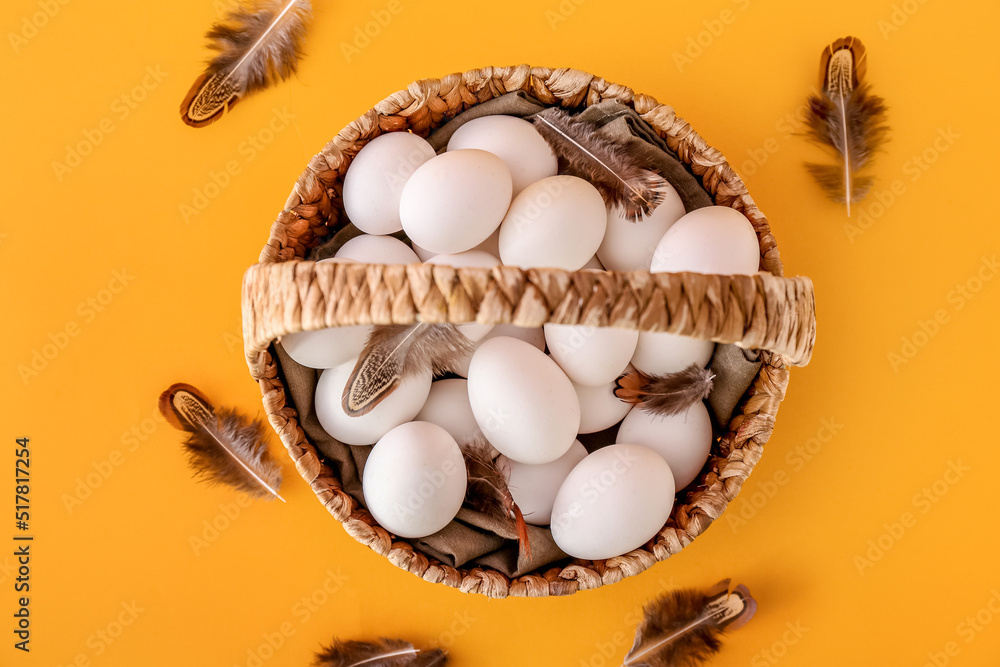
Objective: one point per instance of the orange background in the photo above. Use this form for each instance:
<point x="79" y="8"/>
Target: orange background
<point x="857" y="541"/>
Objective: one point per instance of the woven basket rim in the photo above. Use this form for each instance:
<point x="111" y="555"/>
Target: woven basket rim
<point x="309" y="213"/>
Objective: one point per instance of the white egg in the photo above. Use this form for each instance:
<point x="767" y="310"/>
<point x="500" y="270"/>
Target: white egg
<point x="524" y="404"/>
<point x="374" y="181"/>
<point x="414" y="480"/>
<point x="448" y="406"/>
<point x="683" y="440"/>
<point x="534" y="487"/>
<point x="492" y="244"/>
<point x="422" y="253"/>
<point x="627" y="245"/>
<point x="557" y="222"/>
<point x="714" y="239"/>
<point x="599" y="407"/>
<point x="478" y="258"/>
<point x="326" y="348"/>
<point x="614" y="501"/>
<point x="515" y="141"/>
<point x="467" y="258"/>
<point x="462" y="368"/>
<point x="590" y="355"/>
<point x="371" y="249"/>
<point x="657" y="353"/>
<point x="400" y="406"/>
<point x="453" y="202"/>
<point x="533" y="335"/>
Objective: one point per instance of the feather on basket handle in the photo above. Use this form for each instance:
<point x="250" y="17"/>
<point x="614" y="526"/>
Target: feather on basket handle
<point x="258" y="43"/>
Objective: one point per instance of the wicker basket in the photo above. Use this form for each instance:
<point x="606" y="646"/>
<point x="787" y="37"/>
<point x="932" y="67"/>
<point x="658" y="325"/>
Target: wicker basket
<point x="284" y="293"/>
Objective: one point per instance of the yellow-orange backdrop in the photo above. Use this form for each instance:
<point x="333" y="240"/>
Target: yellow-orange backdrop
<point x="866" y="532"/>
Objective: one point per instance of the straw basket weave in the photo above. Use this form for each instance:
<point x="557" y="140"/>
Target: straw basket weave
<point x="284" y="293"/>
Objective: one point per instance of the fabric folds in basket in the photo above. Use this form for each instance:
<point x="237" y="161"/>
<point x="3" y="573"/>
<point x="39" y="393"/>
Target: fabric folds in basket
<point x="474" y="538"/>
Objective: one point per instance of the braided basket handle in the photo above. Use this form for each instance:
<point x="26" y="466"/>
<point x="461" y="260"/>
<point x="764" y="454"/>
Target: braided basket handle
<point x="760" y="311"/>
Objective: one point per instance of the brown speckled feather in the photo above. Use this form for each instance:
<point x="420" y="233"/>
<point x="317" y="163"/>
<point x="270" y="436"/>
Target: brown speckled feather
<point x="488" y="491"/>
<point x="618" y="173"/>
<point x="259" y="43"/>
<point x="668" y="394"/>
<point x="848" y="119"/>
<point x="223" y="446"/>
<point x="397" y="351"/>
<point x="380" y="653"/>
<point x="684" y="628"/>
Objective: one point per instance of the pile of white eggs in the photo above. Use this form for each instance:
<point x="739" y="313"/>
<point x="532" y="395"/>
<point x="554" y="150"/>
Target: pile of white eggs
<point x="495" y="197"/>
